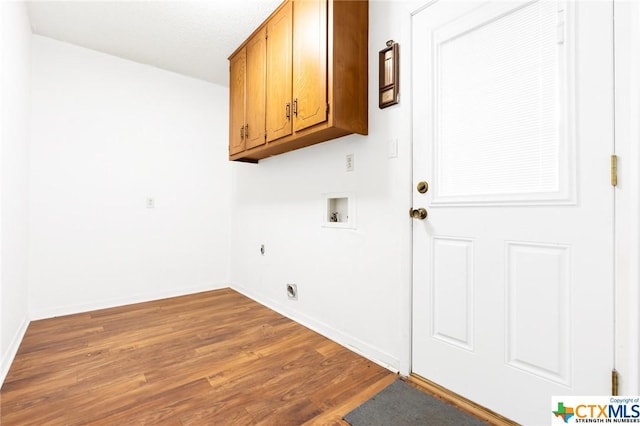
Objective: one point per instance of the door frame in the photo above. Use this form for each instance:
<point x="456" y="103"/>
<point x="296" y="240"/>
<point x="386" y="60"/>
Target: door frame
<point x="627" y="194"/>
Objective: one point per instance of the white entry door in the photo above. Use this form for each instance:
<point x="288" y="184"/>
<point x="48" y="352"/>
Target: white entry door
<point x="513" y="266"/>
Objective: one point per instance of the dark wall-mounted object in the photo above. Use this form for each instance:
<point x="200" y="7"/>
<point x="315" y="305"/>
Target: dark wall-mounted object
<point x="389" y="75"/>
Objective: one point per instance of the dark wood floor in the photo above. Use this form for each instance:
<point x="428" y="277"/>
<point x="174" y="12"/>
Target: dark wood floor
<point x="213" y="358"/>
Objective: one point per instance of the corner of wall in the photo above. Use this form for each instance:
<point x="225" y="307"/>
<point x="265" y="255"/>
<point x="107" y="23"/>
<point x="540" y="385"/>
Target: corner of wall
<point x="12" y="349"/>
<point x="15" y="72"/>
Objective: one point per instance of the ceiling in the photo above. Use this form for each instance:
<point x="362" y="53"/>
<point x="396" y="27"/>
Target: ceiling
<point x="193" y="38"/>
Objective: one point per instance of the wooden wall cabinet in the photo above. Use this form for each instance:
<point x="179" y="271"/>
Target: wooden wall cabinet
<point x="279" y="56"/>
<point x="247" y="95"/>
<point x="237" y="67"/>
<point x="314" y="71"/>
<point x="310" y="63"/>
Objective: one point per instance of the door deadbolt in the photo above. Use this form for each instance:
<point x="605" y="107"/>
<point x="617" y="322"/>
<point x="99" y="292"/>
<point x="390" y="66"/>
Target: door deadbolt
<point x="422" y="187"/>
<point x="420" y="213"/>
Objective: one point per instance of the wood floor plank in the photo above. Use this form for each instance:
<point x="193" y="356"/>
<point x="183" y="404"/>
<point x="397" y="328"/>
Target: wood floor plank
<point x="210" y="358"/>
<point x="333" y="415"/>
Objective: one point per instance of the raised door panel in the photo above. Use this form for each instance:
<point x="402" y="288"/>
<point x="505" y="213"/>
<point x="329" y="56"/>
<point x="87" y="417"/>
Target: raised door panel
<point x="256" y="90"/>
<point x="237" y="102"/>
<point x="279" y="57"/>
<point x="309" y="62"/>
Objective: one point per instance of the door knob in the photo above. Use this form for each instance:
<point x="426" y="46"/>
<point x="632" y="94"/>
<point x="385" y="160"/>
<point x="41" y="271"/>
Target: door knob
<point x="420" y="213"/>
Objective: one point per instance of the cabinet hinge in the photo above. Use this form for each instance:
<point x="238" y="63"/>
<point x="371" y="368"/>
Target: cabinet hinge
<point x="614" y="382"/>
<point x="265" y="136"/>
<point x="614" y="170"/>
<point x="327" y="108"/>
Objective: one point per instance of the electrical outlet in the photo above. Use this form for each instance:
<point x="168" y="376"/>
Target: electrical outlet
<point x="349" y="165"/>
<point x="150" y="203"/>
<point x="292" y="291"/>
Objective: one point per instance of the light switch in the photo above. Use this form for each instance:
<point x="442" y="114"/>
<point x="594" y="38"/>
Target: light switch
<point x="392" y="148"/>
<point x="349" y="166"/>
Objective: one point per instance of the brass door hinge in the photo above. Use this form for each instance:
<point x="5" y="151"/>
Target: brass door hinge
<point x="614" y="382"/>
<point x="614" y="170"/>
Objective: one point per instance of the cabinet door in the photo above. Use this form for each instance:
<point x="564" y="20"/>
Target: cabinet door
<point x="237" y="102"/>
<point x="279" y="53"/>
<point x="309" y="62"/>
<point x="256" y="96"/>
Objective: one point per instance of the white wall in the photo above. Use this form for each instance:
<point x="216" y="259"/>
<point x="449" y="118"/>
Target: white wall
<point x="354" y="285"/>
<point x="15" y="37"/>
<point x="107" y="134"/>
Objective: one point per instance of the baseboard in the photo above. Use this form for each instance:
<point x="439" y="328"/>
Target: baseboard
<point x="461" y="402"/>
<point x="350" y="342"/>
<point x="12" y="350"/>
<point x="37" y="314"/>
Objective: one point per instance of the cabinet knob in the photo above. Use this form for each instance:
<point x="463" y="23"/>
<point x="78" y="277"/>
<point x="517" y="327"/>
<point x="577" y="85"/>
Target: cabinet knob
<point x="241" y="132"/>
<point x="295" y="107"/>
<point x="287" y="110"/>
